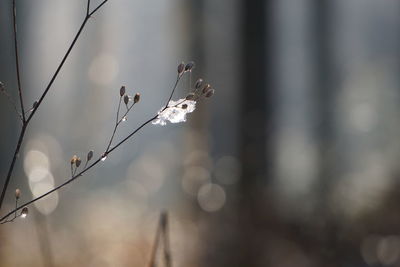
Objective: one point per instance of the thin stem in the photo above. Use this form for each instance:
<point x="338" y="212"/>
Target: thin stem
<point x="26" y="121"/>
<point x="97" y="8"/>
<point x="87" y="8"/>
<point x="17" y="61"/>
<point x="173" y="90"/>
<point x="10" y="170"/>
<point x="167" y="250"/>
<point x="155" y="246"/>
<point x="58" y="69"/>
<point x="116" y="124"/>
<point x="76" y="175"/>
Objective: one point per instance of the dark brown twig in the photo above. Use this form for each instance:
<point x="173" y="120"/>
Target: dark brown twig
<point x="161" y="232"/>
<point x="38" y="103"/>
<point x="17" y="60"/>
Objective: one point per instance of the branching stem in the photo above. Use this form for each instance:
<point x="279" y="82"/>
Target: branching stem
<point x="25" y="121"/>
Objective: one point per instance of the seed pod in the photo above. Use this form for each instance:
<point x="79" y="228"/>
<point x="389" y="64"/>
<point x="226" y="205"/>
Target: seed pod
<point x="181" y="68"/>
<point x="189" y="66"/>
<point x="90" y="155"/>
<point x="126" y="99"/>
<point x="17" y="193"/>
<point x="210" y="93"/>
<point x="122" y="91"/>
<point x="24" y="212"/>
<point x="184" y="106"/>
<point x="199" y="83"/>
<point x="136" y="98"/>
<point x="190" y="96"/>
<point x="78" y="162"/>
<point x="73" y="159"/>
<point x="206" y="88"/>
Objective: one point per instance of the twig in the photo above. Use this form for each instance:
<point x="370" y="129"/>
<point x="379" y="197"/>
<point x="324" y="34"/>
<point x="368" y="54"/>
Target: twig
<point x="10" y="170"/>
<point x="97" y="8"/>
<point x="173" y="90"/>
<point x="153" y="253"/>
<point x="161" y="232"/>
<point x="17" y="61"/>
<point x="88" y="8"/>
<point x="167" y="250"/>
<point x="38" y="103"/>
<point x="105" y="154"/>
<point x="76" y="175"/>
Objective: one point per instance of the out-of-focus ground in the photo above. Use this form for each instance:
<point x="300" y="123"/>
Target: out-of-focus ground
<point x="293" y="162"/>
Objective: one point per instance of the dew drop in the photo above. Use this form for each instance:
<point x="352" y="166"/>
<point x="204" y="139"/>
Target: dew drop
<point x="124" y="118"/>
<point x="104" y="158"/>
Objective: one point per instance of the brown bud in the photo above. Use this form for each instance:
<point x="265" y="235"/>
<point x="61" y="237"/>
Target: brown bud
<point x="136" y="98"/>
<point x="199" y="83"/>
<point x="73" y="159"/>
<point x="78" y="162"/>
<point x="190" y="96"/>
<point x="206" y="88"/>
<point x="122" y="91"/>
<point x="184" y="106"/>
<point x="90" y="155"/>
<point x="210" y="93"/>
<point x="24" y="212"/>
<point x="181" y="68"/>
<point x="17" y="193"/>
<point x="126" y="99"/>
<point x="189" y="66"/>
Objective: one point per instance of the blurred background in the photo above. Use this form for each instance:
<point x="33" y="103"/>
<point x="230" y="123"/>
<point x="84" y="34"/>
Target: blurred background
<point x="293" y="162"/>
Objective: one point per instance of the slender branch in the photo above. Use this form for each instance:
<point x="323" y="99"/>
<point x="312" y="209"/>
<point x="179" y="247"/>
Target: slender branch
<point x="167" y="250"/>
<point x="76" y="175"/>
<point x="116" y="124"/>
<point x="97" y="8"/>
<point x="173" y="90"/>
<point x="58" y="69"/>
<point x="27" y="120"/>
<point x="17" y="61"/>
<point x="10" y="170"/>
<point x="87" y="8"/>
<point x="153" y="254"/>
<point x="86" y="168"/>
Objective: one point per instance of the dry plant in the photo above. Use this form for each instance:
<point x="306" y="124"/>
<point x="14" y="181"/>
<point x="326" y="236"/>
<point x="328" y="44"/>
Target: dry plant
<point x="172" y="111"/>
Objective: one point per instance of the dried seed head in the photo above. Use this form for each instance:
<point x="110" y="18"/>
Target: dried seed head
<point x="122" y="91"/>
<point x="190" y="96"/>
<point x="199" y="83"/>
<point x="181" y="68"/>
<point x="78" y="162"/>
<point x="24" y="212"/>
<point x="126" y="99"/>
<point x="136" y="98"/>
<point x="17" y="193"/>
<point x="206" y="88"/>
<point x="210" y="92"/>
<point x="189" y="66"/>
<point x="90" y="155"/>
<point x="73" y="159"/>
<point x="184" y="106"/>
